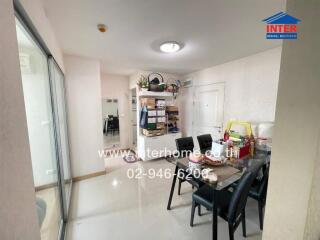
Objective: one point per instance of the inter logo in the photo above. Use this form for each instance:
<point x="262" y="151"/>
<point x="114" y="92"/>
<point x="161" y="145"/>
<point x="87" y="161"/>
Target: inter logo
<point x="281" y="26"/>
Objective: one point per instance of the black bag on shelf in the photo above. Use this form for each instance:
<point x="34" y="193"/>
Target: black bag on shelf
<point x="144" y="117"/>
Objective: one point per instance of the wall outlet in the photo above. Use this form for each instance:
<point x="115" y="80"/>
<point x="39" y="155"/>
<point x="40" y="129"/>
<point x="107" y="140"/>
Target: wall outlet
<point x="51" y="171"/>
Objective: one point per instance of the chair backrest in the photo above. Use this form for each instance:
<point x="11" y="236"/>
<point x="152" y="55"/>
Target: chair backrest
<point x="256" y="168"/>
<point x="115" y="122"/>
<point x="240" y="196"/>
<point x="205" y="142"/>
<point x="263" y="184"/>
<point x="185" y="146"/>
<point x="110" y="123"/>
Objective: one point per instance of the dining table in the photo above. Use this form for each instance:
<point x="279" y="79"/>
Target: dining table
<point x="227" y="173"/>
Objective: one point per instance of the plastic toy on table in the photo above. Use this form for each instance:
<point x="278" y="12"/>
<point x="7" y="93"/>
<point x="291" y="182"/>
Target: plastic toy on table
<point x="237" y="143"/>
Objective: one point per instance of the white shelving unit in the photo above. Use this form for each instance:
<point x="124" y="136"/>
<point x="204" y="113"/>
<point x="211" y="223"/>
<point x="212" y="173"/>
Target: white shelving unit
<point x="144" y="93"/>
<point x="162" y="145"/>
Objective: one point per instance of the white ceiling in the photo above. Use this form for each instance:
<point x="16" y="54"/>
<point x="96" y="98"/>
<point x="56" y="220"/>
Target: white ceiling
<point x="213" y="31"/>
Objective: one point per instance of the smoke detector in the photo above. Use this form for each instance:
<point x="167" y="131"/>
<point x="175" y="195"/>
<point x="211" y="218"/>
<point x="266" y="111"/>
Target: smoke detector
<point x="102" y="27"/>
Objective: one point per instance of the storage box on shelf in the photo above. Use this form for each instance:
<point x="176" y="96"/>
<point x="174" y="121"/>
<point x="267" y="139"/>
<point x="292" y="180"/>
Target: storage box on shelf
<point x="149" y="102"/>
<point x="156" y="139"/>
<point x="151" y="123"/>
<point x="155" y="116"/>
<point x="160" y="103"/>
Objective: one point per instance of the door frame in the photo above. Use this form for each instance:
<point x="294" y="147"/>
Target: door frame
<point x="132" y="116"/>
<point x="22" y="16"/>
<point x="194" y="98"/>
<point x="66" y="200"/>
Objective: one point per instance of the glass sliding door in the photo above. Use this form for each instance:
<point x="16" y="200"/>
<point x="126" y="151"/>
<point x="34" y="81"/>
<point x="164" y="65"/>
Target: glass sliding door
<point x="58" y="90"/>
<point x="42" y="134"/>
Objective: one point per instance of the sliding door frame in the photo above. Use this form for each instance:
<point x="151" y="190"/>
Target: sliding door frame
<point x="26" y="22"/>
<point x="66" y="202"/>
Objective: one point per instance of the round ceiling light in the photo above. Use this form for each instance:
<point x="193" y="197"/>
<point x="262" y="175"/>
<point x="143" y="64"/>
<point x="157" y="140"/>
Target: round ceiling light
<point x="170" y="47"/>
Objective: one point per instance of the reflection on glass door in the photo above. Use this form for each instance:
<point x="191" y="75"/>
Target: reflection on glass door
<point x="58" y="90"/>
<point x="41" y="130"/>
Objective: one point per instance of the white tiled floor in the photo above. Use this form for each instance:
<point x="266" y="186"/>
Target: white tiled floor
<point x="111" y="141"/>
<point x="50" y="227"/>
<point x="115" y="207"/>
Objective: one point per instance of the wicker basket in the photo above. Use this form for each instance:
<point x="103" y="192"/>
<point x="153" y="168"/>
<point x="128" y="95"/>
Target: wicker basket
<point x="155" y="81"/>
<point x="153" y="133"/>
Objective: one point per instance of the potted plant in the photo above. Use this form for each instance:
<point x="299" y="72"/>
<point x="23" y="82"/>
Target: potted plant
<point x="143" y="83"/>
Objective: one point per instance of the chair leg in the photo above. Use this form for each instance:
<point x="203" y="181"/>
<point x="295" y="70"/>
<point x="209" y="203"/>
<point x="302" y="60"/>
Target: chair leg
<point x="231" y="232"/>
<point x="243" y="219"/>
<point x="199" y="210"/>
<point x="260" y="206"/>
<point x="193" y="208"/>
<point x="172" y="187"/>
<point x="179" y="187"/>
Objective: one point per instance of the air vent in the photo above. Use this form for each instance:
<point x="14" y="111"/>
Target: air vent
<point x="187" y="83"/>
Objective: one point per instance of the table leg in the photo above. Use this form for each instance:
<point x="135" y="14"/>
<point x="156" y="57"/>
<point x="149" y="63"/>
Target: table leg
<point x="172" y="187"/>
<point x="214" y="218"/>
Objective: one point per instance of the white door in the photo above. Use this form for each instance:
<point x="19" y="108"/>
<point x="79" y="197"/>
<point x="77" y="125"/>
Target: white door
<point x="208" y="111"/>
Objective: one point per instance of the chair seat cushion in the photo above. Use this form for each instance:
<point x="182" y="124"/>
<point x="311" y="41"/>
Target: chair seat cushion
<point x="254" y="192"/>
<point x="204" y="196"/>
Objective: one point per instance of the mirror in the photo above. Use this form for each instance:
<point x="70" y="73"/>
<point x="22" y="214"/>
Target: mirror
<point x="111" y="126"/>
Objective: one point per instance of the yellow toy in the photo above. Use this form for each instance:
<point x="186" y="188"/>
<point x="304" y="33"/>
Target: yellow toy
<point x="248" y="148"/>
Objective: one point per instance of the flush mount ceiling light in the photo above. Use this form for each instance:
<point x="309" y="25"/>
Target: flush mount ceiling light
<point x="170" y="47"/>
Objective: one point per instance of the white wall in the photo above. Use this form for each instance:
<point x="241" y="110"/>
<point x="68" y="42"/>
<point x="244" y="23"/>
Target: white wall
<point x="36" y="12"/>
<point x="116" y="86"/>
<point x="17" y="199"/>
<point x="250" y="88"/>
<point x="292" y="211"/>
<point x="83" y="87"/>
<point x="312" y="230"/>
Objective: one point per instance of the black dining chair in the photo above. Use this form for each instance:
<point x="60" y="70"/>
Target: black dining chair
<point x="115" y="125"/>
<point x="258" y="192"/>
<point x="185" y="148"/>
<point x="109" y="124"/>
<point x="205" y="142"/>
<point x="231" y="205"/>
